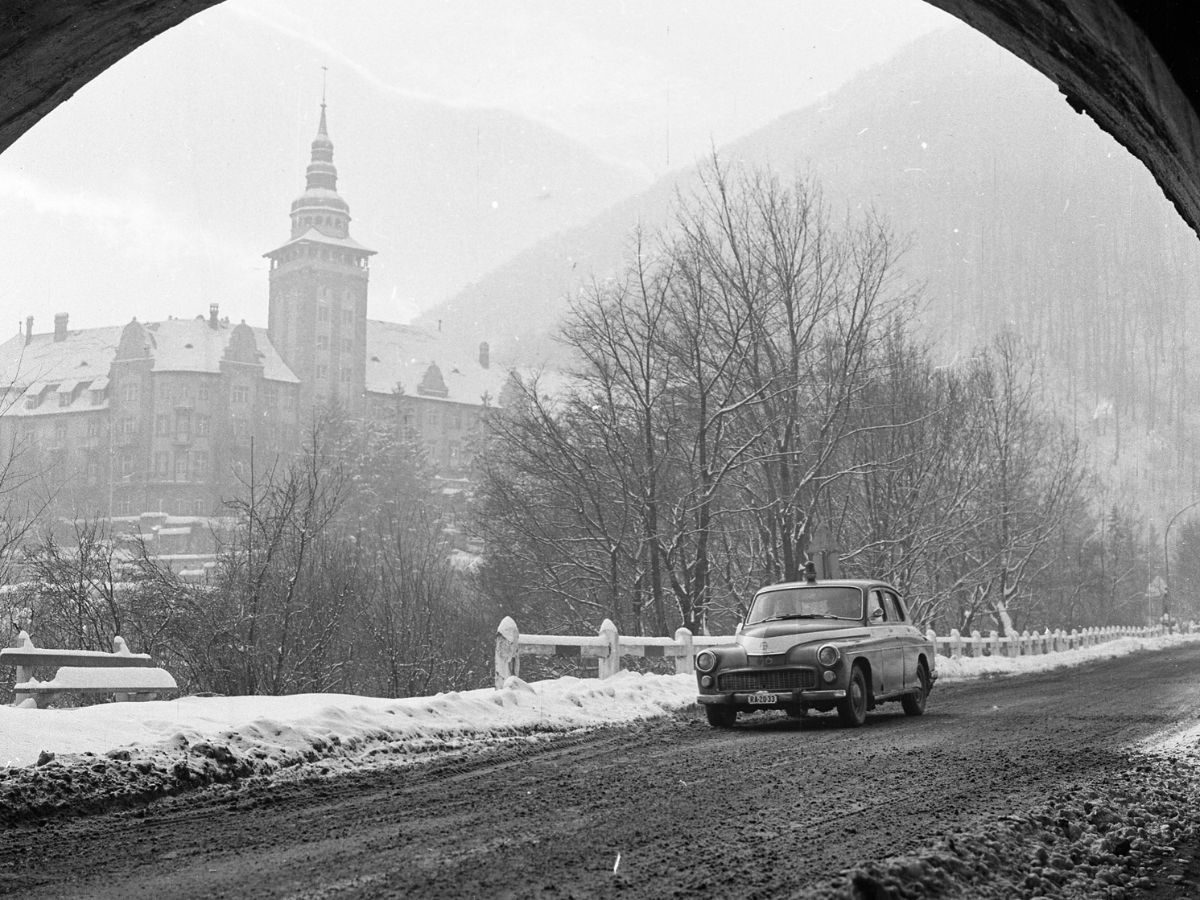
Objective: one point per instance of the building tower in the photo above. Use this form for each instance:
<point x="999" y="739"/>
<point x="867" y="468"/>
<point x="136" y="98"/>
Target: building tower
<point x="317" y="317"/>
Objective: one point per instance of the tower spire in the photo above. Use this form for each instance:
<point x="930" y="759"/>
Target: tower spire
<point x="324" y="80"/>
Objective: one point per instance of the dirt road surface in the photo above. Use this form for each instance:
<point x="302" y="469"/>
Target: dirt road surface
<point x="668" y="808"/>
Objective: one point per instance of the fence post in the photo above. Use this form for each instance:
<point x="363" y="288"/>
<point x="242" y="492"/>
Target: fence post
<point x="23" y="642"/>
<point x="976" y="643"/>
<point x="610" y="665"/>
<point x="683" y="662"/>
<point x="993" y="643"/>
<point x="931" y="636"/>
<point x="956" y="643"/>
<point x="508" y="651"/>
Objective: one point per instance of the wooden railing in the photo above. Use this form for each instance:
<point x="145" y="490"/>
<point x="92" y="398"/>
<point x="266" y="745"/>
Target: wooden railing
<point x="608" y="646"/>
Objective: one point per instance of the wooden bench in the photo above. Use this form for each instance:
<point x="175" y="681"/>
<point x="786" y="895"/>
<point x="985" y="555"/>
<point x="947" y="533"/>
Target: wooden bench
<point x="126" y="675"/>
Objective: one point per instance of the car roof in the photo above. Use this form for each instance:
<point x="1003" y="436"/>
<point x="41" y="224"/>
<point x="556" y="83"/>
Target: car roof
<point x="861" y="583"/>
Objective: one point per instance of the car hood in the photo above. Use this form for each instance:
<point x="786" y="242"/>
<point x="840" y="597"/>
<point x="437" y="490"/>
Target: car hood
<point x="774" y="637"/>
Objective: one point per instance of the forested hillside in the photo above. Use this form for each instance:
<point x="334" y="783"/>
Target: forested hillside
<point x="1017" y="211"/>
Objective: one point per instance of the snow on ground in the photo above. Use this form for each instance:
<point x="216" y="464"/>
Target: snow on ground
<point x="291" y="729"/>
<point x="1104" y="839"/>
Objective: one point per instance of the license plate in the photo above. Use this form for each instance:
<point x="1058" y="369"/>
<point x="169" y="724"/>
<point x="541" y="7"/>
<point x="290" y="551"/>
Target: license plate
<point x="762" y="697"/>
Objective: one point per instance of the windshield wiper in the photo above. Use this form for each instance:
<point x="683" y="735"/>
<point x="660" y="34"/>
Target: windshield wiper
<point x="799" y="616"/>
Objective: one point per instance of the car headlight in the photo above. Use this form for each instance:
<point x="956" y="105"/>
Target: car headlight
<point x="706" y="660"/>
<point x="828" y="655"/>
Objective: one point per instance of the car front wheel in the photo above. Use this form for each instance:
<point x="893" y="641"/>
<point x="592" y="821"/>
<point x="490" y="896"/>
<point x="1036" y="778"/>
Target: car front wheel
<point x="852" y="709"/>
<point x="914" y="703"/>
<point x="720" y="716"/>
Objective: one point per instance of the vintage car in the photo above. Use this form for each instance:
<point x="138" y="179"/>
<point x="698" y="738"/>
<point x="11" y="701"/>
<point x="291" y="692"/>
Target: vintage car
<point x="809" y="645"/>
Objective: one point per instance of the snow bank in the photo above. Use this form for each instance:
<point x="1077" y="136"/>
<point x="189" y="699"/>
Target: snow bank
<point x="282" y="727"/>
<point x="281" y="731"/>
<point x="977" y="667"/>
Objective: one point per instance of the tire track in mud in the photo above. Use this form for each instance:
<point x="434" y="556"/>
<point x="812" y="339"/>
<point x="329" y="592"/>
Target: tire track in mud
<point x="773" y="808"/>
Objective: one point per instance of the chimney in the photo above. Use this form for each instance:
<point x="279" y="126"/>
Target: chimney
<point x="60" y="327"/>
<point x="214" y="319"/>
<point x="484" y="355"/>
<point x="28" y="330"/>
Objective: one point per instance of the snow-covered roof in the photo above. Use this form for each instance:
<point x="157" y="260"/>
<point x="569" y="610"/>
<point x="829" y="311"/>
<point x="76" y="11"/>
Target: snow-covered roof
<point x="402" y="355"/>
<point x="79" y="363"/>
<point x="194" y="345"/>
<point x="313" y="236"/>
<point x="82" y="356"/>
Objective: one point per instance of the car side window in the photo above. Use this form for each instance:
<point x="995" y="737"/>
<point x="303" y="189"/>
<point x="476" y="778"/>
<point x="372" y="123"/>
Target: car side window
<point x="893" y="607"/>
<point x="875" y="602"/>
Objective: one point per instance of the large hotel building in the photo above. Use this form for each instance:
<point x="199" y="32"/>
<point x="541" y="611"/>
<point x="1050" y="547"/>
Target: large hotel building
<point x="156" y="418"/>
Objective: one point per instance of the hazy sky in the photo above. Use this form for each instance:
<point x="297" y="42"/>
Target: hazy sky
<point x="157" y="188"/>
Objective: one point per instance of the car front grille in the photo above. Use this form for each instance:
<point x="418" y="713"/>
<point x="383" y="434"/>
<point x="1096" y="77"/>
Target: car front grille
<point x="775" y="680"/>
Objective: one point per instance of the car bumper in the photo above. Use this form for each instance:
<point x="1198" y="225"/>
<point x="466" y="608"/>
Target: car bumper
<point x="782" y="698"/>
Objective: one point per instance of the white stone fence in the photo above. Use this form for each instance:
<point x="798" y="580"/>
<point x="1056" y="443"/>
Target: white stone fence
<point x="607" y="647"/>
<point x="1032" y="643"/>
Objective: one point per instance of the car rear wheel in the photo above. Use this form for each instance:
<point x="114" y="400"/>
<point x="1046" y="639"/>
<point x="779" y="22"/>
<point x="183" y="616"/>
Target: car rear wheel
<point x="914" y="703"/>
<point x="720" y="716"/>
<point x="852" y="710"/>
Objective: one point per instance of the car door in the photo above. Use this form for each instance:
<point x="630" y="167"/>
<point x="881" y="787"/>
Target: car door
<point x="907" y="636"/>
<point x="889" y="676"/>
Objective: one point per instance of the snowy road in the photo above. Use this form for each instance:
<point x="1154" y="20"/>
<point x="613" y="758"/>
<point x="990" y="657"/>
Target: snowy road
<point x="774" y="808"/>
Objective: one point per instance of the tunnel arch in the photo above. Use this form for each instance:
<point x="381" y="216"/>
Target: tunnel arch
<point x="1129" y="64"/>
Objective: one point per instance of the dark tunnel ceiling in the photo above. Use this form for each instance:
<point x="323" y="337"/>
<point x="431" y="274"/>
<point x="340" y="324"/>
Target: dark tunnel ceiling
<point x="1129" y="64"/>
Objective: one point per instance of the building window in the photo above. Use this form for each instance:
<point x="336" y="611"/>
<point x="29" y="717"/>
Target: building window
<point x="322" y="342"/>
<point x="162" y="425"/>
<point x="322" y="371"/>
<point x="129" y="393"/>
<point x="181" y="466"/>
<point x="64" y="398"/>
<point x="201" y="424"/>
<point x="162" y="464"/>
<point x="199" y="465"/>
<point x="322" y="313"/>
<point x="126" y="464"/>
<point x="203" y="392"/>
<point x="60" y="433"/>
<point x="183" y="425"/>
<point x="93" y="427"/>
<point x="240" y="393"/>
<point x="124" y="506"/>
<point x="93" y="470"/>
<point x="128" y="426"/>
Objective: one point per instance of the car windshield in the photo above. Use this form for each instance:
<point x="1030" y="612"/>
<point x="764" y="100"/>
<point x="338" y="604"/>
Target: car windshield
<point x="816" y="602"/>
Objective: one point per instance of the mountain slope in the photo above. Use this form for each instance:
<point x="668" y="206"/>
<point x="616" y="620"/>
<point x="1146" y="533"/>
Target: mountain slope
<point x="1017" y="208"/>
